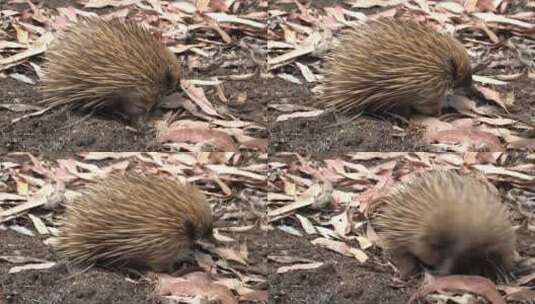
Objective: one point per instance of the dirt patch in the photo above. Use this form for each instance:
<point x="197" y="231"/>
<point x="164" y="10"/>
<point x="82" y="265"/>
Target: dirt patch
<point x="100" y="133"/>
<point x="48" y="132"/>
<point x="325" y="136"/>
<point x="340" y="280"/>
<point x="524" y="105"/>
<point x="332" y="134"/>
<point x="61" y="285"/>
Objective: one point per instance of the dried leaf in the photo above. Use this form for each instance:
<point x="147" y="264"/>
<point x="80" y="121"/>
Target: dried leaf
<point x="220" y="140"/>
<point x="474" y="284"/>
<point x="380" y="3"/>
<point x="38" y="224"/>
<point x="223" y="169"/>
<point x="284" y="117"/>
<point x="230" y="254"/>
<point x="306" y="224"/>
<point x="197" y="95"/>
<point x="491" y="17"/>
<point x="195" y="284"/>
<point x="470" y="137"/>
<point x="306" y="72"/>
<point x="342" y="248"/>
<point x="40" y="266"/>
<point x="524" y="295"/>
<point x="492" y="95"/>
<point x="453" y="7"/>
<point x="18" y="259"/>
<point x="294" y="267"/>
<point x="222" y="17"/>
<point x="490" y="169"/>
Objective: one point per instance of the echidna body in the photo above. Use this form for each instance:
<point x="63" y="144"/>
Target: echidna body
<point x="114" y="64"/>
<point x="131" y="221"/>
<point x="389" y="64"/>
<point x="450" y="223"/>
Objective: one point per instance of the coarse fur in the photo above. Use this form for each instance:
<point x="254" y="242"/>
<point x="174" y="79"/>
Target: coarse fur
<point x="387" y="64"/>
<point x="130" y="221"/>
<point x="451" y="223"/>
<point x="98" y="63"/>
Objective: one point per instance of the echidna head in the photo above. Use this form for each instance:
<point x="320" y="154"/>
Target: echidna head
<point x="434" y="252"/>
<point x="208" y="233"/>
<point x="205" y="226"/>
<point x="452" y="252"/>
<point x="172" y="75"/>
<point x="133" y="104"/>
<point x="461" y="70"/>
<point x="202" y="231"/>
<point x="473" y="258"/>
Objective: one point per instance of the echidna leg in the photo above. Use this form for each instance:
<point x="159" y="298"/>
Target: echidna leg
<point x="402" y="110"/>
<point x="139" y="122"/>
<point x="406" y="263"/>
<point x="187" y="264"/>
<point x="186" y="257"/>
<point x="432" y="106"/>
<point x="169" y="260"/>
<point x="166" y="266"/>
<point x="131" y="106"/>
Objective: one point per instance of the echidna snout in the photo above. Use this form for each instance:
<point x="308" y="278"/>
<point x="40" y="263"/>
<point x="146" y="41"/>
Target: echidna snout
<point x="457" y="255"/>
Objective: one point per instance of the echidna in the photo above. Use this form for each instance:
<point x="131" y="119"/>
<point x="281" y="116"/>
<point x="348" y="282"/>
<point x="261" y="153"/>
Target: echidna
<point x="137" y="222"/>
<point x="388" y="64"/>
<point x="449" y="223"/>
<point x="112" y="64"/>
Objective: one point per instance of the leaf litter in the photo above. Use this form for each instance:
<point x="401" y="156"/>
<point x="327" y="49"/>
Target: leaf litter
<point x="357" y="178"/>
<point x="205" y="34"/>
<point x="30" y="182"/>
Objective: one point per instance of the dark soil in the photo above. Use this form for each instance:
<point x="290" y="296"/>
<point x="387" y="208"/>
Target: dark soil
<point x="524" y="105"/>
<point x="331" y="134"/>
<point x="100" y="133"/>
<point x="60" y="130"/>
<point x="340" y="280"/>
<point x="59" y="285"/>
<point x="63" y="285"/>
<point x="45" y="133"/>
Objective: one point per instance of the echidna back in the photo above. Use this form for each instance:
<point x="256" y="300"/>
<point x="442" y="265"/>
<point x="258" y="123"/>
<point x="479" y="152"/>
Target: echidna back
<point x="389" y="63"/>
<point x="137" y="221"/>
<point x="97" y="60"/>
